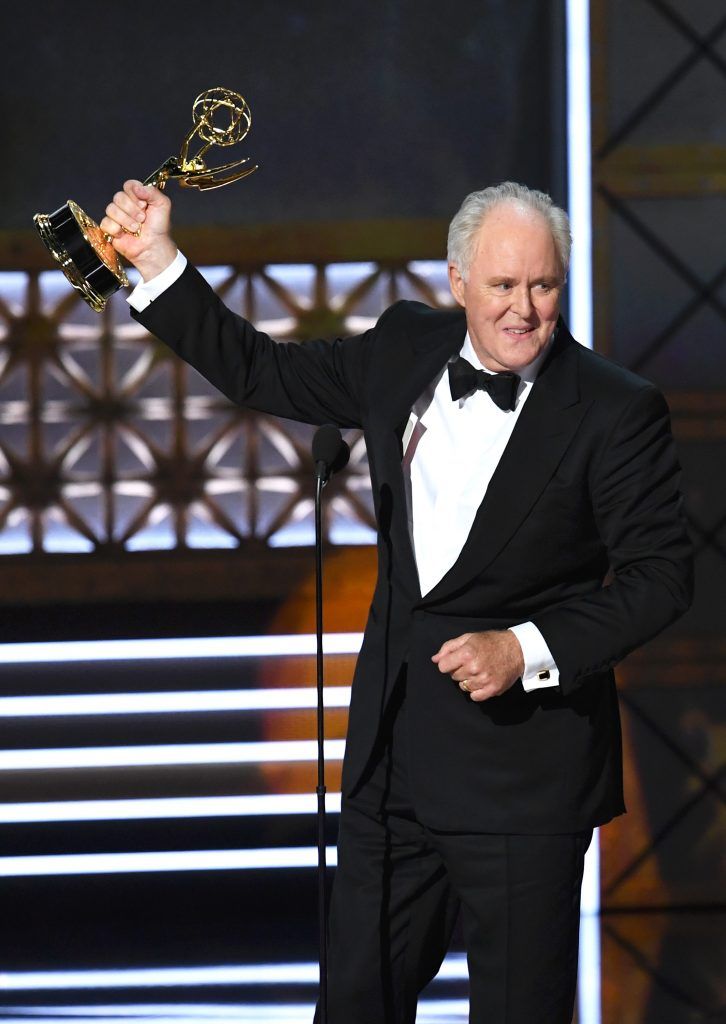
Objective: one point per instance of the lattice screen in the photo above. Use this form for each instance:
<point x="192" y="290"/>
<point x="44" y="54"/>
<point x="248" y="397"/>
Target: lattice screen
<point x="110" y="442"/>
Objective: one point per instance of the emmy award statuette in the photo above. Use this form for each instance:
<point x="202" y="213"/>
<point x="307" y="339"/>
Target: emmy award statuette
<point x="85" y="254"/>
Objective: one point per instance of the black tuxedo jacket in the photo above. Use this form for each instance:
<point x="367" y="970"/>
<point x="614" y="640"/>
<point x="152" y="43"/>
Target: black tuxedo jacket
<point x="587" y="488"/>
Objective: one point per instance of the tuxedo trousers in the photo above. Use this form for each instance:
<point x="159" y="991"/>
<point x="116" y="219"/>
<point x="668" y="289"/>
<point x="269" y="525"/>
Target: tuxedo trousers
<point x="400" y="886"/>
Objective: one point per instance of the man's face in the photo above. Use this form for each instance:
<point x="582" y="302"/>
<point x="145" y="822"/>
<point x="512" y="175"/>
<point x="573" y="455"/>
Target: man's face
<point x="512" y="292"/>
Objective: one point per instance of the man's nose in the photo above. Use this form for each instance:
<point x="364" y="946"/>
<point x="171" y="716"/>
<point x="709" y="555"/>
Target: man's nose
<point x="522" y="301"/>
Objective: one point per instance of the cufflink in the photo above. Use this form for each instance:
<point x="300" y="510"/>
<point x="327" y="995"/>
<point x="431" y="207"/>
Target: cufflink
<point x="543" y="675"/>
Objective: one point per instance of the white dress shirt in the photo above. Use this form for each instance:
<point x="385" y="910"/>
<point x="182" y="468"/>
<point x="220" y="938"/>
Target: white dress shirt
<point x="451" y="450"/>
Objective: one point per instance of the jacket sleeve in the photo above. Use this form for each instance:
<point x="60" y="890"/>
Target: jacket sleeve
<point x="637" y="503"/>
<point x="315" y="382"/>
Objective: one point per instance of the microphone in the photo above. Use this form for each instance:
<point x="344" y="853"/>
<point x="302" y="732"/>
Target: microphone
<point x="330" y="452"/>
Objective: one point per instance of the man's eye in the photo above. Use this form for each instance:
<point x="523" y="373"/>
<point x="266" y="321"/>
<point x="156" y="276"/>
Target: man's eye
<point x="503" y="286"/>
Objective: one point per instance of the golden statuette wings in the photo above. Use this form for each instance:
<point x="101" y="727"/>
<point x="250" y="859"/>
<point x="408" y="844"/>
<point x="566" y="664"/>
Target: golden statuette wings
<point x="221" y="118"/>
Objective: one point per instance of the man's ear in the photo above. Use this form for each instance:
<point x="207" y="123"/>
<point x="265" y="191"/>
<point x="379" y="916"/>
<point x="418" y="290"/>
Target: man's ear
<point x="456" y="284"/>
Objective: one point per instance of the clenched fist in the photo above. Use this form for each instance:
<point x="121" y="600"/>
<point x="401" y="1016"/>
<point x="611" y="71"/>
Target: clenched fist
<point x="484" y="664"/>
<point x="138" y="220"/>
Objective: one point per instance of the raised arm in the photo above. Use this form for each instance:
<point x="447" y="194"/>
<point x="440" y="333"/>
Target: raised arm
<point x="315" y="382"/>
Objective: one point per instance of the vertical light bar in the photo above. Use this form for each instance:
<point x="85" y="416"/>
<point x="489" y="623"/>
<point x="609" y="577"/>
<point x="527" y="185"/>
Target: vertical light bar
<point x="579" y="173"/>
<point x="590" y="896"/>
<point x="588" y="982"/>
<point x="579" y="180"/>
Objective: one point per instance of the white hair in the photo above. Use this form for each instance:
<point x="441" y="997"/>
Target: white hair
<point x="467" y="221"/>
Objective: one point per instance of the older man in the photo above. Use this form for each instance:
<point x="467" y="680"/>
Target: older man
<point x="529" y="536"/>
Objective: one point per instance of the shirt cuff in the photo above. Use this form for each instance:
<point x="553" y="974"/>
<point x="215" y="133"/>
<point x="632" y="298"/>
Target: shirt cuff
<point x="146" y="291"/>
<point x="540" y="670"/>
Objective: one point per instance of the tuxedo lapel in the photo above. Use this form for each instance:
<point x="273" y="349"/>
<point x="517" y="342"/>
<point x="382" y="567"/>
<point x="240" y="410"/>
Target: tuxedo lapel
<point x="413" y="367"/>
<point x="540" y="437"/>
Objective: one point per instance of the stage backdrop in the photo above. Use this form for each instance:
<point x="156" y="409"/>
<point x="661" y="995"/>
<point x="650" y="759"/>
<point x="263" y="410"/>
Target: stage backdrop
<point x="360" y="110"/>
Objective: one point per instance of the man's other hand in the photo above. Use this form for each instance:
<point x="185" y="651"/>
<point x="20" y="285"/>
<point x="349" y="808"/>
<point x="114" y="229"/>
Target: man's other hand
<point x="138" y="220"/>
<point x="483" y="664"/>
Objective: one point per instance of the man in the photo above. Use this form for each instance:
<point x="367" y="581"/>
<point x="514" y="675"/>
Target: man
<point x="529" y="536"/>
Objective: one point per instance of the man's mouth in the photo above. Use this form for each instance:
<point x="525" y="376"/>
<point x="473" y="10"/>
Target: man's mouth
<point x="518" y="330"/>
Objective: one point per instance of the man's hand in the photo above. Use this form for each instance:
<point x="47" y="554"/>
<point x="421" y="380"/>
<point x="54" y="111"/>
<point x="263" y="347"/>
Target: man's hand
<point x="483" y="664"/>
<point x="138" y="221"/>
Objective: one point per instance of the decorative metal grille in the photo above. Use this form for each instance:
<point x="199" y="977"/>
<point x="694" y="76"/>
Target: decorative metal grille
<point x="110" y="443"/>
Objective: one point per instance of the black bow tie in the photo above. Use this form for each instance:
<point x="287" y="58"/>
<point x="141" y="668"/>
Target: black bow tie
<point x="501" y="387"/>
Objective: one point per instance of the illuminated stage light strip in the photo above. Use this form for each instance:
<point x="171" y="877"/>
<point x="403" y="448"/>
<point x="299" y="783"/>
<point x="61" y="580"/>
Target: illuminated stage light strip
<point x="589" y="1009"/>
<point x="454" y="968"/>
<point x="590" y="969"/>
<point x="163" y="861"/>
<point x="147" y="1011"/>
<point x="167" y="754"/>
<point x="430" y="1011"/>
<point x="590" y="894"/>
<point x="173" y="702"/>
<point x="166" y="807"/>
<point x="177" y="649"/>
<point x="579" y="173"/>
<point x="252" y="1013"/>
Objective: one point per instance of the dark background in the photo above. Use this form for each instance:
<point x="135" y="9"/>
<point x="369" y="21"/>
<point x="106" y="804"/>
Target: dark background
<point x="360" y="110"/>
<point x="385" y="112"/>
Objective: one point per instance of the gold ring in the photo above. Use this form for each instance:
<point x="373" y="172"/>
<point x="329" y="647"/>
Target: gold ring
<point x="134" y="233"/>
<point x="464" y="685"/>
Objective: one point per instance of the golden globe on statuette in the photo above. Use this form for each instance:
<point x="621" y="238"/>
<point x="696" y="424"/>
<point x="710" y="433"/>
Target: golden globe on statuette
<point x="85" y="254"/>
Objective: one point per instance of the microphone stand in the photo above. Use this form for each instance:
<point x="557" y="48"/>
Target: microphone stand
<point x="320" y="789"/>
<point x="330" y="454"/>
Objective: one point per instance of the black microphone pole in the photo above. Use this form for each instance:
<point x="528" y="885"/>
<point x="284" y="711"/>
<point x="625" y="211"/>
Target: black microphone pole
<point x="330" y="453"/>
